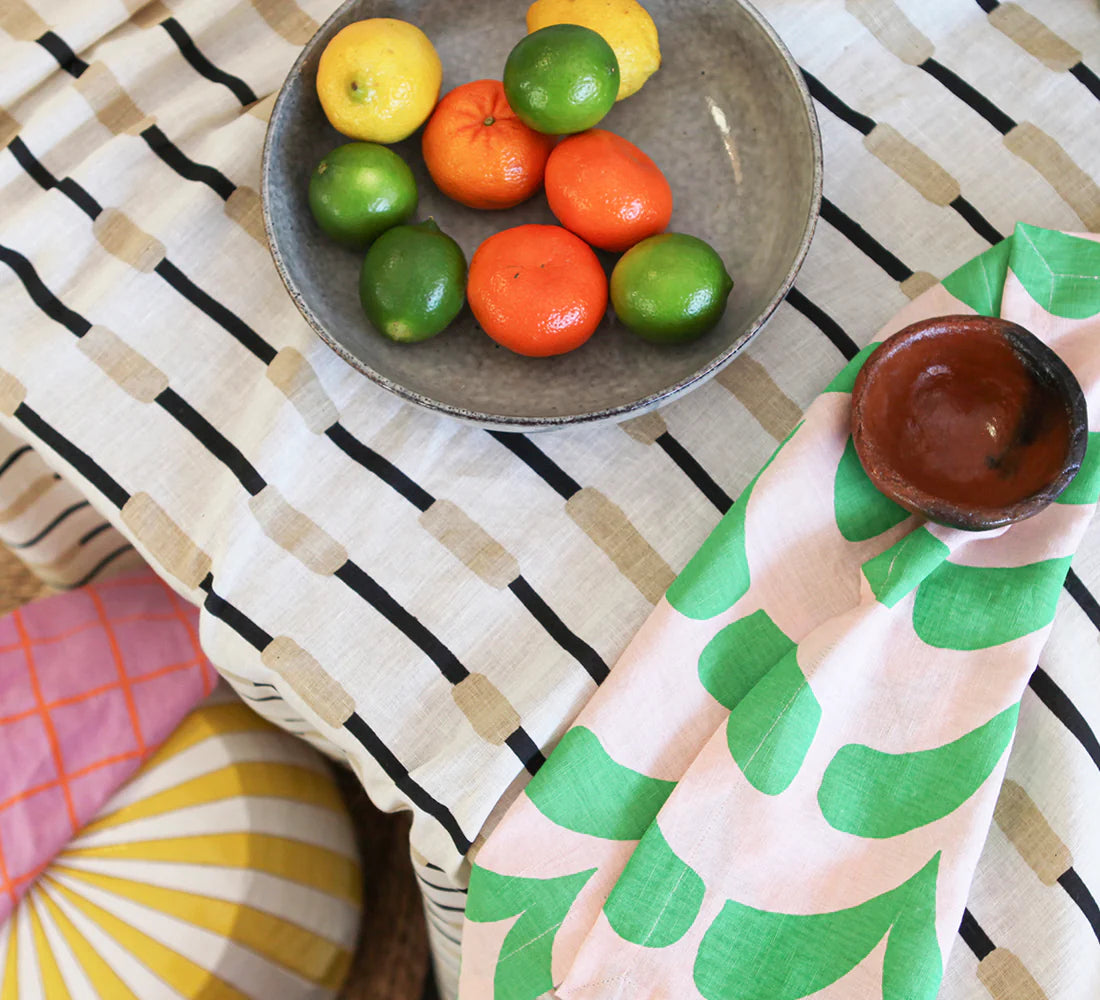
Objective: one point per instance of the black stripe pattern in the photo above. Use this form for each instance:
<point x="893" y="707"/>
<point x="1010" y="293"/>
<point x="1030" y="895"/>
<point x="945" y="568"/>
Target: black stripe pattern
<point x="573" y="644"/>
<point x="412" y="627"/>
<point x="538" y="462"/>
<point x="187" y="168"/>
<point x="441" y="888"/>
<point x="401" y="778"/>
<point x="100" y="566"/>
<point x="379" y="466"/>
<point x="969" y="95"/>
<point x="42" y="297"/>
<point x="1060" y="705"/>
<point x="190" y="51"/>
<point x="976" y="939"/>
<point x="695" y="472"/>
<point x="66" y="58"/>
<point x="1085" y="601"/>
<point x="37" y="172"/>
<point x="864" y="241"/>
<point x="59" y="519"/>
<point x="824" y="322"/>
<point x="827" y="99"/>
<point x="1076" y="889"/>
<point x="978" y="222"/>
<point x="1086" y="76"/>
<point x="13" y="458"/>
<point x="80" y="460"/>
<point x="865" y="125"/>
<point x="214" y="441"/>
<point x="229" y="321"/>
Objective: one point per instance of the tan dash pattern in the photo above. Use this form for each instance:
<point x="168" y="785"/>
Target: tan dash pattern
<point x="295" y="378"/>
<point x="918" y="283"/>
<point x="165" y="540"/>
<point x="1027" y="31"/>
<point x="470" y="543"/>
<point x="12" y="393"/>
<point x="1006" y="978"/>
<point x="1022" y="822"/>
<point x="646" y="428"/>
<point x="310" y="545"/>
<point x="20" y="21"/>
<point x="749" y="381"/>
<point x="262" y="108"/>
<point x="37" y="489"/>
<point x="893" y="29"/>
<point x="114" y="108"/>
<point x="912" y="164"/>
<point x="9" y="128"/>
<point x="243" y="207"/>
<point x="609" y="527"/>
<point x="148" y="15"/>
<point x="1077" y="189"/>
<point x="322" y="693"/>
<point x="131" y="371"/>
<point x="121" y="238"/>
<point x="288" y="19"/>
<point x="490" y="713"/>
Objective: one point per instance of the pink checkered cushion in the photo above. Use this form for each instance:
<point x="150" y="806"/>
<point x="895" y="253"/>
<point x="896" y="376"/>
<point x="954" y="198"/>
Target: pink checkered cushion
<point x="91" y="682"/>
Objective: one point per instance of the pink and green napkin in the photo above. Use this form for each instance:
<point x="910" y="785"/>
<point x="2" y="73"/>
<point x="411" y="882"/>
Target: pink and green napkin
<point x="783" y="787"/>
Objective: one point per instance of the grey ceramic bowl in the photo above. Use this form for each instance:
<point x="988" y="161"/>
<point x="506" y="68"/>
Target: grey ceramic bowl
<point x="727" y="118"/>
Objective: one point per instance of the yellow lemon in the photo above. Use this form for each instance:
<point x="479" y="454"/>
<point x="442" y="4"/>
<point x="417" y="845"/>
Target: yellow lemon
<point x="379" y="79"/>
<point x="625" y="25"/>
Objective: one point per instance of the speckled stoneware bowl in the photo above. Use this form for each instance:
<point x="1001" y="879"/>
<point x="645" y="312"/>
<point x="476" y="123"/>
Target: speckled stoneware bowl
<point x="728" y="120"/>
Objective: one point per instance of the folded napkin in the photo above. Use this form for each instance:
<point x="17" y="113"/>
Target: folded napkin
<point x="91" y="683"/>
<point x="784" y="785"/>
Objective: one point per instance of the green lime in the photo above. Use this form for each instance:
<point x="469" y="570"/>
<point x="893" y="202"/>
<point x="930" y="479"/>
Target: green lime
<point x="670" y="288"/>
<point x="359" y="191"/>
<point x="413" y="282"/>
<point x="561" y="79"/>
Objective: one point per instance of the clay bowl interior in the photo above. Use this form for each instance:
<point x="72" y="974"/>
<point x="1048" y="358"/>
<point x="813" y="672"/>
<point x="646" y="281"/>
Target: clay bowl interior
<point x="727" y="118"/>
<point x="969" y="420"/>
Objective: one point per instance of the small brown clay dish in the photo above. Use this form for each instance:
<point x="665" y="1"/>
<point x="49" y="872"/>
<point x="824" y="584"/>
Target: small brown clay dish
<point x="971" y="421"/>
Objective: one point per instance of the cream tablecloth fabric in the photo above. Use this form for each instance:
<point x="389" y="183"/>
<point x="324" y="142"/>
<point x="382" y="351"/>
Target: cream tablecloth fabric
<point x="433" y="602"/>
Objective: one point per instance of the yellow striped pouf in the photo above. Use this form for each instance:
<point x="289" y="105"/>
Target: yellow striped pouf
<point x="225" y="869"/>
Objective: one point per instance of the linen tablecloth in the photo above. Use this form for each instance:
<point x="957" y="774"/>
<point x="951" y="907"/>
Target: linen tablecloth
<point x="434" y="602"/>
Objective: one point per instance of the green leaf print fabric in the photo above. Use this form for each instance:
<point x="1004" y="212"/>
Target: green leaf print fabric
<point x="783" y="787"/>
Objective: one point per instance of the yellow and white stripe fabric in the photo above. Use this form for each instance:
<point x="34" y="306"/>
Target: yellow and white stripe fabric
<point x="226" y="869"/>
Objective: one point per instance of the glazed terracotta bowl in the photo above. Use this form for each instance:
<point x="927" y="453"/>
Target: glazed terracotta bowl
<point x="969" y="420"/>
<point x="728" y="120"/>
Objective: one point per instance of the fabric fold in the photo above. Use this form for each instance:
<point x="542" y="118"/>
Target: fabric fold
<point x="785" y="784"/>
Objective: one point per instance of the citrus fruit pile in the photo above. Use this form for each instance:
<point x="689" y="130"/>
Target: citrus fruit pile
<point x="493" y="144"/>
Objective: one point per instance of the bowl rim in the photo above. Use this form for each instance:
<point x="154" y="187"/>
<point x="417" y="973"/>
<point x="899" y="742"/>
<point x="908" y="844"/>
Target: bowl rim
<point x="523" y="423"/>
<point x="970" y="517"/>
